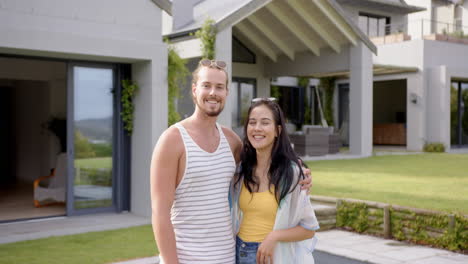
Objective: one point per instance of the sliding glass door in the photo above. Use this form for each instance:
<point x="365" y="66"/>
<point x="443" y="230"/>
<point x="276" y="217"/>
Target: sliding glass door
<point x="459" y="114"/>
<point x="91" y="138"/>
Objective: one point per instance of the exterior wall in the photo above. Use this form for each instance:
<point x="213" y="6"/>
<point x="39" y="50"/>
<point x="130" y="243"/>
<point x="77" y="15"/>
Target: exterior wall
<point x="31" y="110"/>
<point x="439" y="62"/>
<point x="409" y="54"/>
<point x="465" y="14"/>
<point x="438" y="102"/>
<point x="442" y="70"/>
<point x="103" y="31"/>
<point x="254" y="71"/>
<point x="189" y="49"/>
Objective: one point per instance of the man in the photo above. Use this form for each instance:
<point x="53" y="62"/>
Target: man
<point x="191" y="169"/>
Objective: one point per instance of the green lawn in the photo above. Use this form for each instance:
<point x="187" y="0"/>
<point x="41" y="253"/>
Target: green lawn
<point x="105" y="162"/>
<point x="430" y="181"/>
<point x="94" y="247"/>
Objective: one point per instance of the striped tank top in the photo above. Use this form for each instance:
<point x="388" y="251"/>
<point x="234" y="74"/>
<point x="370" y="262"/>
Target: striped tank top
<point x="200" y="213"/>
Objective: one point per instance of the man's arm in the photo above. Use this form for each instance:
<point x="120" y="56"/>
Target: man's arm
<point x="164" y="168"/>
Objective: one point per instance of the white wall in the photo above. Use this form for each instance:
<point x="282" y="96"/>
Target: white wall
<point x="31" y="111"/>
<point x="107" y="28"/>
<point x="465" y="16"/>
<point x="255" y="71"/>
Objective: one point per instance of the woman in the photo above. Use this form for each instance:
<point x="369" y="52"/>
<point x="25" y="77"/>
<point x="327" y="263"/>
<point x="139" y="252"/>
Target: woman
<point x="273" y="219"/>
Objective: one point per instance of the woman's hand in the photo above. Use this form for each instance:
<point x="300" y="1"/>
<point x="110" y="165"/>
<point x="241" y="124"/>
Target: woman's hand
<point x="266" y="249"/>
<point x="307" y="182"/>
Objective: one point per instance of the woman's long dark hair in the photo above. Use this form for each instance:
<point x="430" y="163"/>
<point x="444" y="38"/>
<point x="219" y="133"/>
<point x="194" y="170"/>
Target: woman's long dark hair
<point x="281" y="172"/>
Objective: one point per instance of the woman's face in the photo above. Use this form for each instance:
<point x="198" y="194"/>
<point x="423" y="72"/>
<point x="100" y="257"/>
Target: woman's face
<point x="261" y="128"/>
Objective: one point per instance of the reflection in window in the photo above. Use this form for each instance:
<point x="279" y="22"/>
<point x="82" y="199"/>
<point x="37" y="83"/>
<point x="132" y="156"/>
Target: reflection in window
<point x="243" y="91"/>
<point x="93" y="117"/>
<point x="459" y="113"/>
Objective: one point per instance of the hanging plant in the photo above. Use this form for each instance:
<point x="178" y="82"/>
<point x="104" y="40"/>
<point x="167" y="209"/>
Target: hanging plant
<point x="207" y="36"/>
<point x="327" y="84"/>
<point x="129" y="89"/>
<point x="176" y="77"/>
<point x="304" y="83"/>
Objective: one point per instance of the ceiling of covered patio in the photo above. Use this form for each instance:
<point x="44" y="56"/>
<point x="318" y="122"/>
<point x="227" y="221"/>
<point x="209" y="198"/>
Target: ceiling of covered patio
<point x="288" y="28"/>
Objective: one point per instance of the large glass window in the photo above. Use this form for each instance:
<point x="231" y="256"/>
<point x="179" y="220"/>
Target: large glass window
<point x="292" y="103"/>
<point x="93" y="137"/>
<point x="243" y="90"/>
<point x="459" y="113"/>
<point x="374" y="25"/>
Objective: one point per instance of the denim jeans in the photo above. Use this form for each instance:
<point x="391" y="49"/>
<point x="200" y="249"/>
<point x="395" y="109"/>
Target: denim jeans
<point x="246" y="252"/>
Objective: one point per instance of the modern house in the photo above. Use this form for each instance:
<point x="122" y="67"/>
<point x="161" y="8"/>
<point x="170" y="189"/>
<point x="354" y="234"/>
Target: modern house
<point x="64" y="61"/>
<point x="419" y="72"/>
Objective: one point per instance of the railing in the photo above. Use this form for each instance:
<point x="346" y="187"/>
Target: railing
<point x="423" y="29"/>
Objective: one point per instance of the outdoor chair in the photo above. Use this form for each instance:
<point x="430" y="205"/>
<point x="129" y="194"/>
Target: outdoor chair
<point x="55" y="191"/>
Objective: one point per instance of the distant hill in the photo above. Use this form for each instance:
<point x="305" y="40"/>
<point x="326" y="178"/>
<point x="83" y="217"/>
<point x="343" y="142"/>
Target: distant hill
<point x="96" y="129"/>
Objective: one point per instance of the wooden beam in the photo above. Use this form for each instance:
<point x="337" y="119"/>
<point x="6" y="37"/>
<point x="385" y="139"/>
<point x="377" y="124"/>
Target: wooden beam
<point x="254" y="38"/>
<point x="269" y="33"/>
<point x="294" y="27"/>
<point x="340" y="24"/>
<point x="315" y="25"/>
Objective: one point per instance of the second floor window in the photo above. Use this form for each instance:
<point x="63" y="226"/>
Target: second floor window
<point x="374" y="25"/>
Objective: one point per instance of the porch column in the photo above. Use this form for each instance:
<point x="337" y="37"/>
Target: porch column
<point x="150" y="121"/>
<point x="438" y="106"/>
<point x="223" y="49"/>
<point x="415" y="121"/>
<point x="263" y="81"/>
<point x="360" y="100"/>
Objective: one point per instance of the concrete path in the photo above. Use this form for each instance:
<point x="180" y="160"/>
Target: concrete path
<point x="383" y="251"/>
<point x="60" y="226"/>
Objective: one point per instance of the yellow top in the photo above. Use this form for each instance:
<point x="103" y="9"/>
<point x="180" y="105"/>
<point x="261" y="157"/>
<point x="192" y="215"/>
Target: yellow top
<point x="259" y="214"/>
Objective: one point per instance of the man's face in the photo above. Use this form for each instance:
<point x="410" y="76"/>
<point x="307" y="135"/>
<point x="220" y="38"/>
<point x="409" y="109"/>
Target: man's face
<point x="210" y="91"/>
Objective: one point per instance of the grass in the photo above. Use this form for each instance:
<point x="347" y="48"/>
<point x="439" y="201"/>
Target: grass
<point x="95" y="163"/>
<point x="430" y="181"/>
<point x="95" y="247"/>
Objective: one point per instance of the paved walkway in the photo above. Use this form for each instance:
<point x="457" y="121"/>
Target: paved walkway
<point x="60" y="226"/>
<point x="350" y="245"/>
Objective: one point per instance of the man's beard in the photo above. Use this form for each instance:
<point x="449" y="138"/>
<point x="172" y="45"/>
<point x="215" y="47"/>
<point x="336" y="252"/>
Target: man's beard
<point x="210" y="113"/>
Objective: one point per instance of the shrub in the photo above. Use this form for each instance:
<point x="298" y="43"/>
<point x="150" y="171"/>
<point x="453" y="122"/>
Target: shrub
<point x="434" y="147"/>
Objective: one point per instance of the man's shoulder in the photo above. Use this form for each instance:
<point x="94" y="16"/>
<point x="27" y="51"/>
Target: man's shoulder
<point x="170" y="138"/>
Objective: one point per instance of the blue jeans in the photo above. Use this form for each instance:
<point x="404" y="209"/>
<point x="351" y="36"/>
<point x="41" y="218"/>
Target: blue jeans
<point x="246" y="252"/>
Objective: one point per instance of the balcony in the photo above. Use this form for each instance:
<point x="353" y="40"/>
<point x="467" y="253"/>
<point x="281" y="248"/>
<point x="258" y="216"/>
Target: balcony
<point x="423" y="29"/>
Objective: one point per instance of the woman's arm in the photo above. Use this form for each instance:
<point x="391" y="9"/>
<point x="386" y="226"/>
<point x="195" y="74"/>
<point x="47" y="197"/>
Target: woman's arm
<point x="267" y="247"/>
